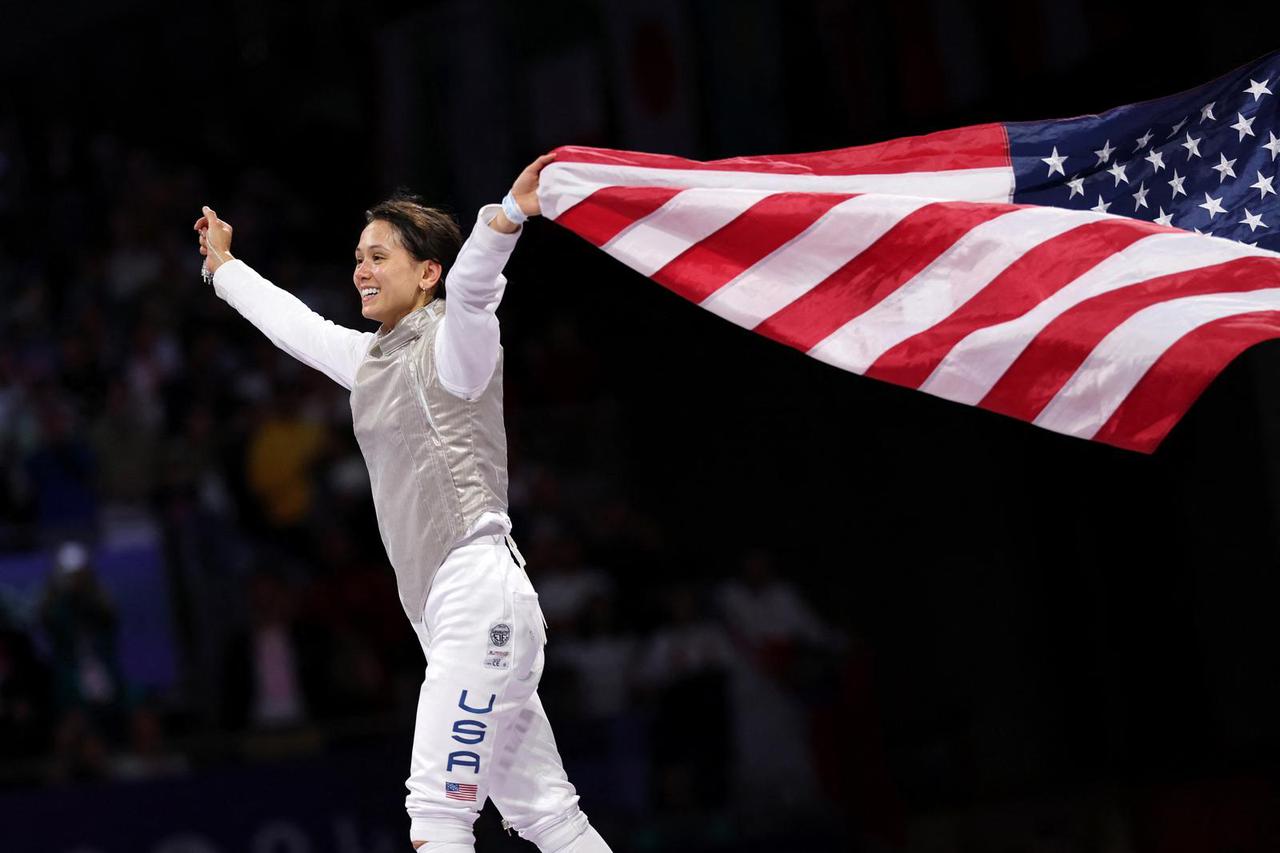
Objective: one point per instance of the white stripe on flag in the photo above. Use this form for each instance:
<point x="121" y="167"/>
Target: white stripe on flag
<point x="687" y="218"/>
<point x="562" y="185"/>
<point x="1105" y="378"/>
<point x="951" y="280"/>
<point x="796" y="267"/>
<point x="974" y="365"/>
<point x="560" y="188"/>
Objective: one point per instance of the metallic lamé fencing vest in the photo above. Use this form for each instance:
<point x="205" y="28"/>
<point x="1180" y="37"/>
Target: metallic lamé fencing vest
<point x="436" y="462"/>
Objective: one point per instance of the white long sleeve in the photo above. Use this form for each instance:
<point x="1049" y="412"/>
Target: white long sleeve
<point x="466" y="347"/>
<point x="286" y="320"/>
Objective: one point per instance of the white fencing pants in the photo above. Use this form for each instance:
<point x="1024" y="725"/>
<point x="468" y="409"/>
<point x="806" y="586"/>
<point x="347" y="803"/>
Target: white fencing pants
<point x="481" y="730"/>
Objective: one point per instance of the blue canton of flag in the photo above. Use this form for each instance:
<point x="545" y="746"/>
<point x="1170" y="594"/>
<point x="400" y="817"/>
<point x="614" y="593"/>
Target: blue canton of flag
<point x="1203" y="160"/>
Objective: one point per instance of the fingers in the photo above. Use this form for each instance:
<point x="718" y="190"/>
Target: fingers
<point x="210" y="220"/>
<point x="537" y="165"/>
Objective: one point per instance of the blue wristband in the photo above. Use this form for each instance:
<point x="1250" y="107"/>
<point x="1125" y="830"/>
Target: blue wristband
<point x="512" y="210"/>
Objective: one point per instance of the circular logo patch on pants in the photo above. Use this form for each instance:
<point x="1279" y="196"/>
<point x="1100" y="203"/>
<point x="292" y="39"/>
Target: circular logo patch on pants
<point x="499" y="634"/>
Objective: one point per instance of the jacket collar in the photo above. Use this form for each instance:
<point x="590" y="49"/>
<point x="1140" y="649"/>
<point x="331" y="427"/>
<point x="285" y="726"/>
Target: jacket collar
<point x="408" y="327"/>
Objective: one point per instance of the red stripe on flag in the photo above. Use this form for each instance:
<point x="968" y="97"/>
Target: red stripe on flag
<point x="980" y="146"/>
<point x="1176" y="380"/>
<point x="599" y="217"/>
<point x="1051" y="359"/>
<point x="709" y="264"/>
<point x="1038" y="274"/>
<point x="884" y="266"/>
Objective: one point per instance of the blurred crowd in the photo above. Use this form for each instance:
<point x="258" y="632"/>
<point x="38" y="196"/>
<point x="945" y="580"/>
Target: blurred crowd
<point x="136" y="406"/>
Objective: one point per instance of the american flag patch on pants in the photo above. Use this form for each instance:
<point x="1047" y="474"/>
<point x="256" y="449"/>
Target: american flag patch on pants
<point x="460" y="791"/>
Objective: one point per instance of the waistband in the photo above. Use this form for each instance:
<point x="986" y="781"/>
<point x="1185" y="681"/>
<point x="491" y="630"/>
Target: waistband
<point x="495" y="539"/>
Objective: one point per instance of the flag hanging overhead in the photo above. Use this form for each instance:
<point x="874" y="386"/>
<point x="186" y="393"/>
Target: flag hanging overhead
<point x="1089" y="275"/>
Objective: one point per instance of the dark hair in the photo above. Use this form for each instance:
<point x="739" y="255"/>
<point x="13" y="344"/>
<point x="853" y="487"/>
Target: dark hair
<point x="428" y="233"/>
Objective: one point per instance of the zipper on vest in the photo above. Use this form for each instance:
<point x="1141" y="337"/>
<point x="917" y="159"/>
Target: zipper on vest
<point x="415" y="380"/>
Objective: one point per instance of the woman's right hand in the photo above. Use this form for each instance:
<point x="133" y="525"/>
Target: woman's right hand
<point x="215" y="239"/>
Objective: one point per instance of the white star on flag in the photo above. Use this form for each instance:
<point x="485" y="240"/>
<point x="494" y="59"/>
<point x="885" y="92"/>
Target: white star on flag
<point x="1156" y="159"/>
<point x="1101" y="206"/>
<point x="1055" y="163"/>
<point x="1165" y="218"/>
<point x="1263" y="186"/>
<point x="1176" y="183"/>
<point x="1206" y="112"/>
<point x="1140" y="197"/>
<point x="1213" y="205"/>
<point x="1177" y="129"/>
<point x="1253" y="221"/>
<point x="1258" y="89"/>
<point x="1273" y="145"/>
<point x="1077" y="187"/>
<point x="1244" y="125"/>
<point x="1142" y="141"/>
<point x="1224" y="168"/>
<point x="1104" y="153"/>
<point x="1117" y="172"/>
<point x="1192" y="146"/>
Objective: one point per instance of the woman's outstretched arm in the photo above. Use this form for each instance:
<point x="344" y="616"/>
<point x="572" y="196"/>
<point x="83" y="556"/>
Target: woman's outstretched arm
<point x="334" y="350"/>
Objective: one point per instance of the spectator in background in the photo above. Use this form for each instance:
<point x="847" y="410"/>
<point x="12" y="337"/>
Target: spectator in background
<point x="191" y="469"/>
<point x="79" y="374"/>
<point x="125" y="446"/>
<point x="354" y="598"/>
<point x="133" y="262"/>
<point x="61" y="470"/>
<point x="283" y="450"/>
<point x="784" y="646"/>
<point x="602" y="659"/>
<point x="686" y="665"/>
<point x="273" y="669"/>
<point x="605" y="740"/>
<point x="628" y="541"/>
<point x="565" y="583"/>
<point x="769" y="616"/>
<point x="81" y="623"/>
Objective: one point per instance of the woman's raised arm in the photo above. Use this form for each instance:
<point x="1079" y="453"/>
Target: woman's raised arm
<point x="466" y="349"/>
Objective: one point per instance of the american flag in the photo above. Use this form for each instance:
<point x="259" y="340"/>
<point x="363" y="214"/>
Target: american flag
<point x="1090" y="275"/>
<point x="460" y="791"/>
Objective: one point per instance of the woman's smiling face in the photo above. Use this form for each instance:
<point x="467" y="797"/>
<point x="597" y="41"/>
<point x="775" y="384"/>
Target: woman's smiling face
<point x="384" y="265"/>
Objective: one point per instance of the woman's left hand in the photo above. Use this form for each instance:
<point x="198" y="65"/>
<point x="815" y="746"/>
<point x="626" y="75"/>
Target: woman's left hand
<point x="525" y="189"/>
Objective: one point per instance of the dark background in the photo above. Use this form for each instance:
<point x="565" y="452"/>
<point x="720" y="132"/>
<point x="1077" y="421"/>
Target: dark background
<point x="1027" y="641"/>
